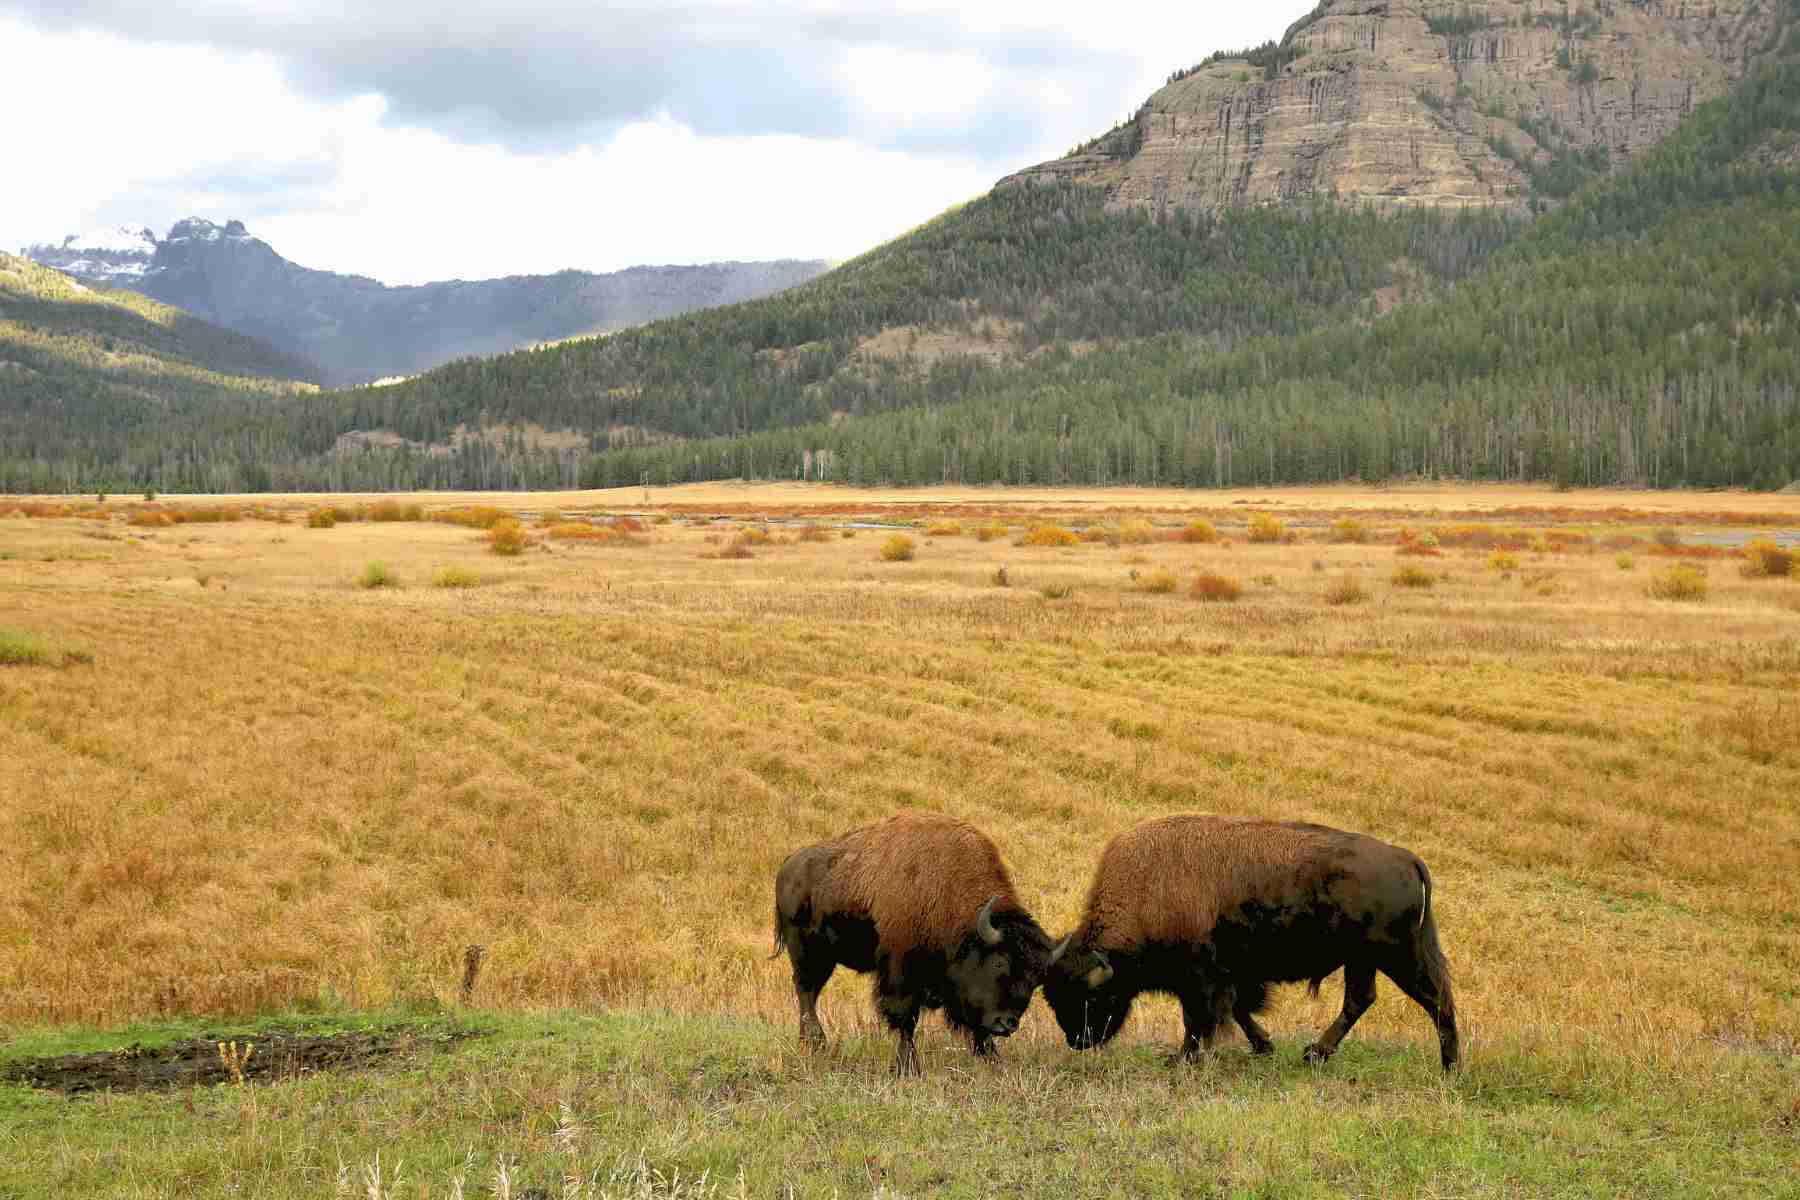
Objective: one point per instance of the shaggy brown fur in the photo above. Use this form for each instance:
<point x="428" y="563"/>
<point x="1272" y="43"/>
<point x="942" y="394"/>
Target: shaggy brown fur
<point x="918" y="876"/>
<point x="1214" y="909"/>
<point x="902" y="899"/>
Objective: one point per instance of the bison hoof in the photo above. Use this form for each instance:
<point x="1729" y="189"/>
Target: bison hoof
<point x="1262" y="1047"/>
<point x="1316" y="1055"/>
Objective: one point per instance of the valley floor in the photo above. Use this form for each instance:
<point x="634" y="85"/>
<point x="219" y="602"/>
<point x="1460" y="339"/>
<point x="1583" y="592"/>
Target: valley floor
<point x="254" y="767"/>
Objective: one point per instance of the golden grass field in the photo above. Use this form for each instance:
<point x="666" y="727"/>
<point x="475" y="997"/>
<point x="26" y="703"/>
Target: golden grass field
<point x="252" y="784"/>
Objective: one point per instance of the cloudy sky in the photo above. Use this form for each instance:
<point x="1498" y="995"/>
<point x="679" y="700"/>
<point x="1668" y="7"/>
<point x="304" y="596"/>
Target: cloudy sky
<point x="415" y="140"/>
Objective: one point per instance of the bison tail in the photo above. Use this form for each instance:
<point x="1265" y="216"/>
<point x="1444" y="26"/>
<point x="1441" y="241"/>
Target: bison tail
<point x="780" y="942"/>
<point x="1431" y="954"/>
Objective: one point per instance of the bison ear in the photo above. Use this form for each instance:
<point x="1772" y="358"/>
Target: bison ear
<point x="1060" y="948"/>
<point x="1100" y="972"/>
<point x="984" y="922"/>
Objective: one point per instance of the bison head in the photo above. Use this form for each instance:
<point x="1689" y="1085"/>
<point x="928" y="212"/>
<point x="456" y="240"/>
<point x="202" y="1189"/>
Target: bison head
<point x="994" y="972"/>
<point x="1081" y="991"/>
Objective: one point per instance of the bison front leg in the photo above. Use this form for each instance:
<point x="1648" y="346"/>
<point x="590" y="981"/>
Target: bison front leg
<point x="901" y="1011"/>
<point x="1201" y="1015"/>
<point x="1259" y="1037"/>
<point x="1359" y="993"/>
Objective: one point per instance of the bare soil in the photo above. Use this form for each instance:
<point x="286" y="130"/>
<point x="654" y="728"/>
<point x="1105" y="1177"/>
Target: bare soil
<point x="201" y="1061"/>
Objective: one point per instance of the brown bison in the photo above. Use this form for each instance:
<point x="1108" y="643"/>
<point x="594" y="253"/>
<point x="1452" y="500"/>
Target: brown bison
<point x="925" y="903"/>
<point x="1214" y="910"/>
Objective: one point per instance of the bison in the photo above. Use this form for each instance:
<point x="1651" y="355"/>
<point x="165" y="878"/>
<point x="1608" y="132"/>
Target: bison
<point x="925" y="903"/>
<point x="1214" y="910"/>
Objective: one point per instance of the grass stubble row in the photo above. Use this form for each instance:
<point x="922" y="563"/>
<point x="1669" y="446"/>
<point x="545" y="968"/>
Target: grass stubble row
<point x="267" y="788"/>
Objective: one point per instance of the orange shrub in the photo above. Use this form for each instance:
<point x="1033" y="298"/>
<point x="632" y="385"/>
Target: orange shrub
<point x="944" y="529"/>
<point x="507" y="537"/>
<point x="473" y="516"/>
<point x="1203" y="533"/>
<point x="1764" y="559"/>
<point x="149" y="519"/>
<point x="1214" y="588"/>
<point x="1050" y="535"/>
<point x="988" y="532"/>
<point x="814" y="533"/>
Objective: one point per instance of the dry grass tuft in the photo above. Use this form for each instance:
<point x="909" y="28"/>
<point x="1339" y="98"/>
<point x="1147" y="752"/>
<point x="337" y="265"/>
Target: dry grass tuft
<point x="1346" y="590"/>
<point x="1264" y="528"/>
<point x="1624" y="562"/>
<point x="814" y="533"/>
<point x="1349" y="530"/>
<point x="1158" y="582"/>
<point x="990" y="532"/>
<point x="1137" y="532"/>
<point x="1763" y="559"/>
<point x="944" y="529"/>
<point x="897" y="548"/>
<point x="1050" y="536"/>
<point x="1409" y="576"/>
<point x="1680" y="582"/>
<point x="455" y="577"/>
<point x="321" y="518"/>
<point x="1503" y="560"/>
<point x="1215" y="588"/>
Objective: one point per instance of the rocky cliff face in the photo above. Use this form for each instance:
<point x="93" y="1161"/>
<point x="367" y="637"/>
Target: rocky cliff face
<point x="1425" y="102"/>
<point x="359" y="330"/>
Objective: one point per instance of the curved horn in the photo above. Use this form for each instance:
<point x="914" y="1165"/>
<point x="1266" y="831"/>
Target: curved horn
<point x="984" y="922"/>
<point x="1101" y="971"/>
<point x="1060" y="947"/>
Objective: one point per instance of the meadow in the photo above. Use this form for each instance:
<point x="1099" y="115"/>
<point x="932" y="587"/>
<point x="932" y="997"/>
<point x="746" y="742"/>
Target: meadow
<point x="277" y="772"/>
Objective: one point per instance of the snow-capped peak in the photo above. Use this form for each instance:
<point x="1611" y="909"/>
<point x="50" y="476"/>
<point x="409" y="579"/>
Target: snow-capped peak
<point x="122" y="239"/>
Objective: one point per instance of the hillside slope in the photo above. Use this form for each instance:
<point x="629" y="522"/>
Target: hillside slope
<point x="92" y="379"/>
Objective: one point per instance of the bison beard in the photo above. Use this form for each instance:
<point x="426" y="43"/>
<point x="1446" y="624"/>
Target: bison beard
<point x="925" y="903"/>
<point x="1214" y="910"/>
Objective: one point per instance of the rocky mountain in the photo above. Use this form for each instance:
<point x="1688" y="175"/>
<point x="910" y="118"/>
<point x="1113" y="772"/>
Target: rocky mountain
<point x="358" y="330"/>
<point x="1425" y="102"/>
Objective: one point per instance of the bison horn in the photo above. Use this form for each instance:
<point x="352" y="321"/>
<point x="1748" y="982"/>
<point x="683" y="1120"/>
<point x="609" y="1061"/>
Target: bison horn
<point x="1060" y="947"/>
<point x="1101" y="971"/>
<point x="984" y="922"/>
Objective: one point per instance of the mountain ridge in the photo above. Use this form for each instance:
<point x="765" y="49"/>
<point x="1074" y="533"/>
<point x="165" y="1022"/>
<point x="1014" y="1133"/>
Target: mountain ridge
<point x="358" y="330"/>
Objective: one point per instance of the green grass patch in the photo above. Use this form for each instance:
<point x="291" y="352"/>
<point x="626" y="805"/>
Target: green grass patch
<point x="641" y="1104"/>
<point x="20" y="648"/>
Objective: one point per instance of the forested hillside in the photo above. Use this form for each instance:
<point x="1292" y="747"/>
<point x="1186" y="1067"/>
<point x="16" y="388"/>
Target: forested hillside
<point x="1643" y="332"/>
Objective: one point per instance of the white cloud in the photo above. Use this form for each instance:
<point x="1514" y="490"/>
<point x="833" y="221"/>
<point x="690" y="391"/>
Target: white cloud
<point x="105" y="130"/>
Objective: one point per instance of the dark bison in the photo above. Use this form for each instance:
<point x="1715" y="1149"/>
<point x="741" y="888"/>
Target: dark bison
<point x="925" y="903"/>
<point x="1214" y="910"/>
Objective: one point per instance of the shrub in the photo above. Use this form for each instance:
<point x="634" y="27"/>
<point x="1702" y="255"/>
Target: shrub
<point x="1348" y="590"/>
<point x="388" y="510"/>
<point x="1050" y="535"/>
<point x="754" y="535"/>
<point x="377" y="574"/>
<point x="320" y="518"/>
<point x="944" y="529"/>
<point x="898" y="548"/>
<point x="1056" y="591"/>
<point x="1413" y="577"/>
<point x="628" y="524"/>
<point x="1503" y="560"/>
<point x="1264" y="528"/>
<point x="1137" y="531"/>
<point x="455" y="577"/>
<point x="1349" y="529"/>
<point x="1204" y="534"/>
<point x="1667" y="538"/>
<point x="578" y="531"/>
<point x="1099" y="533"/>
<point x="1680" y="582"/>
<point x="1158" y="582"/>
<point x="19" y="649"/>
<point x="1421" y="544"/>
<point x="814" y="533"/>
<point x="1000" y="577"/>
<point x="473" y="516"/>
<point x="990" y="531"/>
<point x="551" y="517"/>
<point x="1214" y="588"/>
<point x="149" y="519"/>
<point x="1624" y="562"/>
<point x="737" y="549"/>
<point x="507" y="537"/>
<point x="1764" y="559"/>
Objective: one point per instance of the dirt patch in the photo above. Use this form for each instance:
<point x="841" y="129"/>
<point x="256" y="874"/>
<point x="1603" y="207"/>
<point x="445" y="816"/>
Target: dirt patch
<point x="201" y="1063"/>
